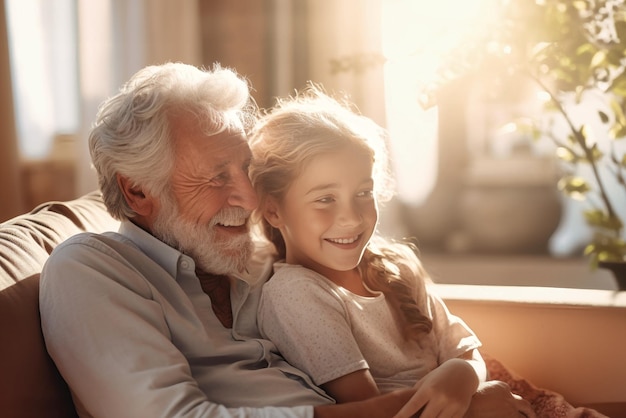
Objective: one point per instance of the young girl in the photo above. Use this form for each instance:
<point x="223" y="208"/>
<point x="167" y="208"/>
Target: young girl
<point x="354" y="311"/>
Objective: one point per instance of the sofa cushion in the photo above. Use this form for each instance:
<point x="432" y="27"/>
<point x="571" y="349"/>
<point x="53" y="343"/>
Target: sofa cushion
<point x="30" y="385"/>
<point x="27" y="240"/>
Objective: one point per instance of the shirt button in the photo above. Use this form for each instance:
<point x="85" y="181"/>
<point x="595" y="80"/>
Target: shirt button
<point x="185" y="264"/>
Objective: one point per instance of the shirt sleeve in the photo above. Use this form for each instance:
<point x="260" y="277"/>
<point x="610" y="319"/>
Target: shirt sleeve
<point x="307" y="321"/>
<point x="110" y="340"/>
<point x="452" y="333"/>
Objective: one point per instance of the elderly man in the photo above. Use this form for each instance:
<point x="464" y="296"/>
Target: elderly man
<point x="159" y="319"/>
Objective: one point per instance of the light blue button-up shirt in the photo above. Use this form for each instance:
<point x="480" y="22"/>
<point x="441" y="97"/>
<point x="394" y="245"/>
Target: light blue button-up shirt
<point x="133" y="334"/>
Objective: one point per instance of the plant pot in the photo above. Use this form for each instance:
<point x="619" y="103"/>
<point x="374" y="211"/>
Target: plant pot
<point x="510" y="219"/>
<point x="618" y="268"/>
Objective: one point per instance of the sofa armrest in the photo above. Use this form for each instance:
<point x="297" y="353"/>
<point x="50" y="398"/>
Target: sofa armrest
<point x="30" y="385"/>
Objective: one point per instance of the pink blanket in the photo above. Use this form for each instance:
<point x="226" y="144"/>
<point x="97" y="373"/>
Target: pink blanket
<point x="547" y="404"/>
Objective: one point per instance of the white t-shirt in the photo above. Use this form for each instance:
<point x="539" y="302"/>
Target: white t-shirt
<point x="328" y="331"/>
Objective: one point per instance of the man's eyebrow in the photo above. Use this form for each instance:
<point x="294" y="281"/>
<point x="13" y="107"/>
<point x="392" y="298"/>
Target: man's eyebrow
<point x="219" y="167"/>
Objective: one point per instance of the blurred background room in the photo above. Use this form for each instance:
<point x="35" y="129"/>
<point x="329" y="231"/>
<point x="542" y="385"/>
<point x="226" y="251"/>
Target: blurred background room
<point x="480" y="201"/>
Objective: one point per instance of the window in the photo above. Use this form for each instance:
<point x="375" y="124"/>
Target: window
<point x="42" y="47"/>
<point x="481" y="202"/>
<point x="416" y="34"/>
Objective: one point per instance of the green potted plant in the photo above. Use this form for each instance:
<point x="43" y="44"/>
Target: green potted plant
<point x="571" y="50"/>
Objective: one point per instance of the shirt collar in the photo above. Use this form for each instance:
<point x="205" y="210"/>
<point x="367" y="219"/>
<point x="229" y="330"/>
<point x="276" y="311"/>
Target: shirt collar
<point x="164" y="255"/>
<point x="259" y="266"/>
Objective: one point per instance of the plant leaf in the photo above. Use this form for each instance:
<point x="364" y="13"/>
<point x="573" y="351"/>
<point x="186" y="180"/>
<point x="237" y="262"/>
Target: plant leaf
<point x="601" y="219"/>
<point x="567" y="155"/>
<point x="574" y="187"/>
<point x="603" y="116"/>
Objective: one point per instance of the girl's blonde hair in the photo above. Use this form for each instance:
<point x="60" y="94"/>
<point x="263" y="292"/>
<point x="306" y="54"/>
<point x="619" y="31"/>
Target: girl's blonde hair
<point x="311" y="123"/>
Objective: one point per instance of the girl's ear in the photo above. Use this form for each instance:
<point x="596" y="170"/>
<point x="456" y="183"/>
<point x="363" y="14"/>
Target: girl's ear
<point x="271" y="213"/>
<point x="141" y="203"/>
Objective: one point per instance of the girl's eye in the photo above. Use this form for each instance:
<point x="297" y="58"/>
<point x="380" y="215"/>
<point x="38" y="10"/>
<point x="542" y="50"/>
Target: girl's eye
<point x="327" y="199"/>
<point x="366" y="193"/>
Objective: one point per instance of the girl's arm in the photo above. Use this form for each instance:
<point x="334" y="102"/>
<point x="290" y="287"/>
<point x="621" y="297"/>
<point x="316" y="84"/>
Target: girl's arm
<point x="475" y="360"/>
<point x="355" y="386"/>
<point x="448" y="390"/>
<point x="360" y="385"/>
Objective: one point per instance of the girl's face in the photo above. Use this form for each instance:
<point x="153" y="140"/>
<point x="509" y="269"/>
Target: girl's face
<point x="329" y="212"/>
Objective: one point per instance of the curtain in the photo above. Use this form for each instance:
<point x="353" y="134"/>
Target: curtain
<point x="10" y="188"/>
<point x="114" y="39"/>
<point x="172" y="31"/>
<point x="344" y="44"/>
<point x="119" y="37"/>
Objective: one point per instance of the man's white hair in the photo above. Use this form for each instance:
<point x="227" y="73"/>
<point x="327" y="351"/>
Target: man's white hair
<point x="132" y="133"/>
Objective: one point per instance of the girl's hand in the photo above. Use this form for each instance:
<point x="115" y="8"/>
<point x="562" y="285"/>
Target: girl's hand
<point x="444" y="392"/>
<point x="493" y="399"/>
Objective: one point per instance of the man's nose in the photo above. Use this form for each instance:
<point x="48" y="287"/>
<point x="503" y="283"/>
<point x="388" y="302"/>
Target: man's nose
<point x="243" y="194"/>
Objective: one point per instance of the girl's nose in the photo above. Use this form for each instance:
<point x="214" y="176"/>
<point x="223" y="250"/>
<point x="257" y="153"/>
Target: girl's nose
<point x="350" y="214"/>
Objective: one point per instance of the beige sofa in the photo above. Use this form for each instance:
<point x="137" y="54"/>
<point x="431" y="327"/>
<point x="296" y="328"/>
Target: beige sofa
<point x="30" y="385"/>
<point x="514" y="332"/>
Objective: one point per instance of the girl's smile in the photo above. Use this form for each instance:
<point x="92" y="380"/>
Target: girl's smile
<point x="343" y="241"/>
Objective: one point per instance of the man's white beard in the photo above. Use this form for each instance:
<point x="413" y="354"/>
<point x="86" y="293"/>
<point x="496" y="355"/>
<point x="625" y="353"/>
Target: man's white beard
<point x="199" y="241"/>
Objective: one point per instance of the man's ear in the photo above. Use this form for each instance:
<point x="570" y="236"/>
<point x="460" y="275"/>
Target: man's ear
<point x="139" y="201"/>
<point x="271" y="213"/>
